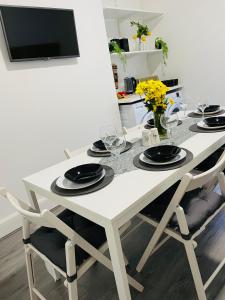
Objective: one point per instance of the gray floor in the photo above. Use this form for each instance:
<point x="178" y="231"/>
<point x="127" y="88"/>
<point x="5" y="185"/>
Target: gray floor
<point x="165" y="276"/>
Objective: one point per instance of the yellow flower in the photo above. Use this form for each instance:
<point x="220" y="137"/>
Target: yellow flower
<point x="155" y="92"/>
<point x="149" y="33"/>
<point x="143" y="38"/>
<point x="134" y="36"/>
<point x="171" y="101"/>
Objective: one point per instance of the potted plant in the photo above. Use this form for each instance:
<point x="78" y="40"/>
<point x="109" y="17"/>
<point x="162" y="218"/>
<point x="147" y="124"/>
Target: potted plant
<point x="115" y="48"/>
<point x="142" y="33"/>
<point x="161" y="44"/>
<point x="155" y="100"/>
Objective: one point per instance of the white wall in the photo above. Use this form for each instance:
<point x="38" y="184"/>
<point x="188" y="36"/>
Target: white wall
<point x="47" y="106"/>
<point x="195" y="34"/>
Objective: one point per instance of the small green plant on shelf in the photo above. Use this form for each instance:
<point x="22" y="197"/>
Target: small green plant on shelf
<point x="161" y="44"/>
<point x="115" y="48"/>
<point x="142" y="33"/>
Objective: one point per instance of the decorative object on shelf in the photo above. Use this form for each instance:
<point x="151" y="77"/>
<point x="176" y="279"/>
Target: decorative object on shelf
<point x="161" y="44"/>
<point x="155" y="101"/>
<point x="114" y="47"/>
<point x="115" y="75"/>
<point x="142" y="33"/>
<point x="130" y="84"/>
<point x="124" y="44"/>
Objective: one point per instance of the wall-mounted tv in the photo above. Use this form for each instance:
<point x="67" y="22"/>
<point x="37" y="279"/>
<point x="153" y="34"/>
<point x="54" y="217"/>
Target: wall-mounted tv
<point x="34" y="33"/>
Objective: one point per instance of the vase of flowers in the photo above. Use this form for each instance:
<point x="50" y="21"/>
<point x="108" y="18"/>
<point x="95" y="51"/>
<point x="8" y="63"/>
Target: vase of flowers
<point x="155" y="101"/>
<point x="141" y="35"/>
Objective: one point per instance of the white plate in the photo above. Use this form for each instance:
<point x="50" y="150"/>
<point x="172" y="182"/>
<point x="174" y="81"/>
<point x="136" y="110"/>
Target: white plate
<point x="201" y="124"/>
<point x="197" y="112"/>
<point x="64" y="183"/>
<point x="95" y="149"/>
<point x="179" y="157"/>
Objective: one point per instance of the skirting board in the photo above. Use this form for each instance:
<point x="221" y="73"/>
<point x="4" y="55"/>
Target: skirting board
<point x="14" y="221"/>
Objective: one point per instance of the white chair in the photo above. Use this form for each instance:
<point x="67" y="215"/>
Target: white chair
<point x="182" y="212"/>
<point x="69" y="243"/>
<point x="69" y="154"/>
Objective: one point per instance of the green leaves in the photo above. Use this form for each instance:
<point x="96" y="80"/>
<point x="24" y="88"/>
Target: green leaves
<point x="161" y="44"/>
<point x="141" y="29"/>
<point x="115" y="48"/>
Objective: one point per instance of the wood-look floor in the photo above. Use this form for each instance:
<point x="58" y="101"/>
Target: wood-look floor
<point x="166" y="276"/>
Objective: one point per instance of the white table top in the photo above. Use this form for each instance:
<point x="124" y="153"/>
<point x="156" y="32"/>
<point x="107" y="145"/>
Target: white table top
<point x="129" y="192"/>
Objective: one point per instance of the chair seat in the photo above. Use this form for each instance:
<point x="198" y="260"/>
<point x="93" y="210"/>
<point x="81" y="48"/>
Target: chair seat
<point x="210" y="161"/>
<point x="198" y="207"/>
<point x="51" y="242"/>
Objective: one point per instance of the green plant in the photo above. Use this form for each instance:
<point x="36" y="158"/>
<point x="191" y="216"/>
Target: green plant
<point x="142" y="31"/>
<point x="161" y="44"/>
<point x="115" y="48"/>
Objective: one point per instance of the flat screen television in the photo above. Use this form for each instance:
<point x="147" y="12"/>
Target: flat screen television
<point x="34" y="33"/>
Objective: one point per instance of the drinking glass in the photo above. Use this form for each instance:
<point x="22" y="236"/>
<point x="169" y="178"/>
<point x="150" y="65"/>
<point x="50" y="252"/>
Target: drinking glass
<point x="115" y="143"/>
<point x="183" y="109"/>
<point x="202" y="103"/>
<point x="169" y="122"/>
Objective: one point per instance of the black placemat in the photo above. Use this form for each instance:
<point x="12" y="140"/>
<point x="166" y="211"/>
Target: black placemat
<point x="195" y="128"/>
<point x="95" y="154"/>
<point x="198" y="116"/>
<point x="94" y="188"/>
<point x="141" y="165"/>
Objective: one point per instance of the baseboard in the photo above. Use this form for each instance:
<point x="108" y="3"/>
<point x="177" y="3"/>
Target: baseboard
<point x="14" y="221"/>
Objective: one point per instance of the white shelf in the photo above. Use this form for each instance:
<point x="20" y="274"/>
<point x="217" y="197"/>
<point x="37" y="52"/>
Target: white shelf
<point x="121" y="13"/>
<point x="132" y="53"/>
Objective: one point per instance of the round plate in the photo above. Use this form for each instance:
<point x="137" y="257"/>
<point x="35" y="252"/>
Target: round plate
<point x="208" y="113"/>
<point x="96" y="150"/>
<point x="178" y="158"/>
<point x="201" y="124"/>
<point x="66" y="184"/>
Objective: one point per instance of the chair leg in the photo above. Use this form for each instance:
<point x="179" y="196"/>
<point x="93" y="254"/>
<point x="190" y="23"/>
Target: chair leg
<point x="30" y="274"/>
<point x="151" y="245"/>
<point x="72" y="290"/>
<point x="189" y="247"/>
<point x="125" y="260"/>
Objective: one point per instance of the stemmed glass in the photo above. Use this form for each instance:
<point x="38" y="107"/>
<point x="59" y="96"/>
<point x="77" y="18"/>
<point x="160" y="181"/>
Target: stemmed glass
<point x="169" y="122"/>
<point x="201" y="105"/>
<point x="115" y="143"/>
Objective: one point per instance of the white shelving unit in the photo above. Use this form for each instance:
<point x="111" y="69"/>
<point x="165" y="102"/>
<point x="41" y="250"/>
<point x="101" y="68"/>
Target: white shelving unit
<point x="133" y="53"/>
<point x="120" y="13"/>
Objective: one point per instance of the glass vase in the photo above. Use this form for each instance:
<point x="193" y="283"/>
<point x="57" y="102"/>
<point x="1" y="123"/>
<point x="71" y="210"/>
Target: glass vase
<point x="162" y="131"/>
<point x="138" y="45"/>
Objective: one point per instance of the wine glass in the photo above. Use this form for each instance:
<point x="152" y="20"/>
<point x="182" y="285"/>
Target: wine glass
<point x="169" y="122"/>
<point x="202" y="103"/>
<point x="115" y="143"/>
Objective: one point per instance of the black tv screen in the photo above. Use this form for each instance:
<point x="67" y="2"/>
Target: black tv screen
<point x="33" y="33"/>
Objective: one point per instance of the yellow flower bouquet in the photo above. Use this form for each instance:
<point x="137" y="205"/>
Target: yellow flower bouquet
<point x="155" y="100"/>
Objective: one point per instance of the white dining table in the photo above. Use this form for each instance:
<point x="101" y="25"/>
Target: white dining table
<point x="114" y="205"/>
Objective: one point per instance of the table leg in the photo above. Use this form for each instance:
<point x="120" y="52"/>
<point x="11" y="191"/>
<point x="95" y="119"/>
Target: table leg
<point x="116" y="254"/>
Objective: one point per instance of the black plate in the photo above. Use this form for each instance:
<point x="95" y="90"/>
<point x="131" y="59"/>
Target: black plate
<point x="151" y="123"/>
<point x="215" y="121"/>
<point x="210" y="108"/>
<point x="100" y="145"/>
<point x="84" y="173"/>
<point x="162" y="153"/>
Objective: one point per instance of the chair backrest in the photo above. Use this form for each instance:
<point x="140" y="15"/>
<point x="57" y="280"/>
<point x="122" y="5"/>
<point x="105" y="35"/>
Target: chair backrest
<point x="69" y="154"/>
<point x="45" y="218"/>
<point x="208" y="176"/>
